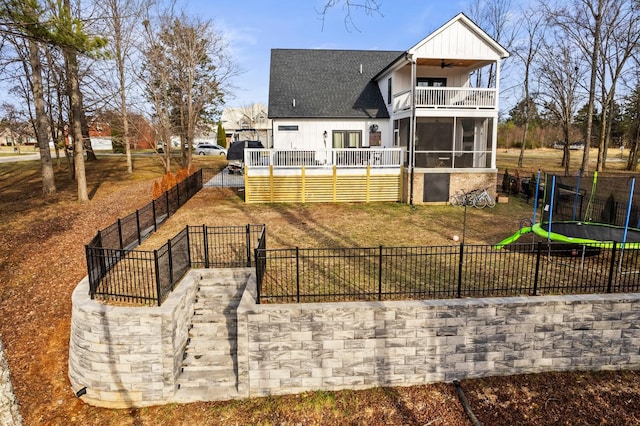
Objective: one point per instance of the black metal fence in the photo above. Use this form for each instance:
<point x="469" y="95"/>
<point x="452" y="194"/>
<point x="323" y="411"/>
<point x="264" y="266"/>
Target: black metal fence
<point x="129" y="232"/>
<point x="113" y="244"/>
<point x="148" y="277"/>
<point x="394" y="273"/>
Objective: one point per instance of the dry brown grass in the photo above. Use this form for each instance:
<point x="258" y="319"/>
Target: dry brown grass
<point x="43" y="260"/>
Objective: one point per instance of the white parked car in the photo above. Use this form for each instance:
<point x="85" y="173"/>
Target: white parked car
<point x="210" y="149"/>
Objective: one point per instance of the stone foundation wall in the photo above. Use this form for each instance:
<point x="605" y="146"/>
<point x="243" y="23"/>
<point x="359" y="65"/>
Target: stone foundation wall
<point x="9" y="412"/>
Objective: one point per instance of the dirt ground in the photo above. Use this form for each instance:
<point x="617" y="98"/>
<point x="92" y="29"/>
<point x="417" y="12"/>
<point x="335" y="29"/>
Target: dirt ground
<point x="43" y="260"/>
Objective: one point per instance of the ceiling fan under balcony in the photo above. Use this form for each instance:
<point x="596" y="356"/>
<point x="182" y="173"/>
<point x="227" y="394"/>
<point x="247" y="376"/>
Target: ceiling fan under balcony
<point x="444" y="64"/>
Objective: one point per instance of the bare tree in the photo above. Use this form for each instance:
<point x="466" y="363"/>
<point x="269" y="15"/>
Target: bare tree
<point x="196" y="67"/>
<point x="54" y="25"/>
<point x="619" y="43"/>
<point x="559" y="73"/>
<point x="632" y="118"/>
<point x="122" y="18"/>
<point x="583" y="22"/>
<point x="21" y="25"/>
<point x="494" y="17"/>
<point x="527" y="53"/>
<point x="368" y="7"/>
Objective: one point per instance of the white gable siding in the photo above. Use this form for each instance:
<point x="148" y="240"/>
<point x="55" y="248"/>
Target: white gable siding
<point x="456" y="41"/>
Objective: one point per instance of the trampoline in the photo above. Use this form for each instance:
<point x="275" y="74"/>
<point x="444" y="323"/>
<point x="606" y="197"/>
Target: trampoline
<point x="584" y="233"/>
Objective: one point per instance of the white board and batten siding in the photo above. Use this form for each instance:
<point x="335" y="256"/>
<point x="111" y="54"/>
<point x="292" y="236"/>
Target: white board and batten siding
<point x="309" y="133"/>
<point x="458" y="39"/>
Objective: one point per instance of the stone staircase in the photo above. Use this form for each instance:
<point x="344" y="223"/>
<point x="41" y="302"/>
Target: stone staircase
<point x="209" y="369"/>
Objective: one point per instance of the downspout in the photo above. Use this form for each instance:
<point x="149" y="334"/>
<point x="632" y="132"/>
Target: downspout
<point x="412" y="135"/>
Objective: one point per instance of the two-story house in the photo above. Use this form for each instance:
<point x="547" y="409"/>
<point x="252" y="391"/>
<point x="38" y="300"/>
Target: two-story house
<point x="423" y="100"/>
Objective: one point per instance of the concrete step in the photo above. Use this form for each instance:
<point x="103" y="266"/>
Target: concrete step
<point x="195" y="359"/>
<point x="221" y="292"/>
<point x="213" y="346"/>
<point x="206" y="377"/>
<point x="213" y="331"/>
<point x="218" y="374"/>
<point x="224" y="278"/>
<point x="206" y="393"/>
<point x="207" y="372"/>
<point x="213" y="311"/>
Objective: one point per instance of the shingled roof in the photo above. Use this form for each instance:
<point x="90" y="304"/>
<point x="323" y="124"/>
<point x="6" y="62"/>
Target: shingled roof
<point x="327" y="83"/>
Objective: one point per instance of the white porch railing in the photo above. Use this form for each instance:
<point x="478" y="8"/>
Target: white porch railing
<point x="343" y="158"/>
<point x="446" y="98"/>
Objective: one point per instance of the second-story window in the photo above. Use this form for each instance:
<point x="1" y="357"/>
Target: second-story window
<point x="389" y="91"/>
<point x="431" y="82"/>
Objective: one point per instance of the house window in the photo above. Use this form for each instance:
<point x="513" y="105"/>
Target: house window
<point x="431" y="82"/>
<point x="347" y="138"/>
<point x="389" y="91"/>
<point x="288" y="128"/>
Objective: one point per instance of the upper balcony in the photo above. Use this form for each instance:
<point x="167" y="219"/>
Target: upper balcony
<point x="452" y="98"/>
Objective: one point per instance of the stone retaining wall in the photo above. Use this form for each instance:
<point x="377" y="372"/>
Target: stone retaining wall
<point x="293" y="348"/>
<point x="131" y="356"/>
<point x="9" y="412"/>
<point x="128" y="356"/>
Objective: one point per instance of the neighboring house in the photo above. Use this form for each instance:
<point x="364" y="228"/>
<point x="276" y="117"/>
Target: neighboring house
<point x="255" y="116"/>
<point x="421" y="100"/>
<point x="7" y="137"/>
<point x="23" y="135"/>
<point x="103" y="126"/>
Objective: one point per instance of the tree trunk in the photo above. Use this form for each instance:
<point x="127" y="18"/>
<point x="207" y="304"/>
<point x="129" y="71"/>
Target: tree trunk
<point x="604" y="129"/>
<point x="592" y="85"/>
<point x="123" y="93"/>
<point x="84" y="126"/>
<point x="75" y="107"/>
<point x="42" y="132"/>
<point x="632" y="161"/>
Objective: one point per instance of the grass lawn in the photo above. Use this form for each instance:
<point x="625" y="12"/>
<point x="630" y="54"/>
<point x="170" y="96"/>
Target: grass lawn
<point x="43" y="260"/>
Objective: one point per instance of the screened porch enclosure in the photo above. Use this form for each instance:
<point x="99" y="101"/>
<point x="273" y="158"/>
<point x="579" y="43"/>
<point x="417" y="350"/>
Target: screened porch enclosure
<point x="454" y="142"/>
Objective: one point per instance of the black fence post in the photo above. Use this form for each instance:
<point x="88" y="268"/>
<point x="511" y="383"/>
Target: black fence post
<point x="138" y="227"/>
<point x="206" y="246"/>
<point x="103" y="262"/>
<point x="460" y="261"/>
<point x="248" y="239"/>
<point x="537" y="274"/>
<point x="188" y="247"/>
<point x="157" y="265"/>
<point x="120" y="234"/>
<point x="170" y="262"/>
<point x="297" y="275"/>
<point x="612" y="266"/>
<point x="259" y="272"/>
<point x="178" y="194"/>
<point x="380" y="273"/>
<point x="166" y="197"/>
<point x="155" y="225"/>
<point x="89" y="262"/>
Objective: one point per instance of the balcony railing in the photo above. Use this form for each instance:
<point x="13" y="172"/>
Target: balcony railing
<point x="446" y="98"/>
<point x="344" y="158"/>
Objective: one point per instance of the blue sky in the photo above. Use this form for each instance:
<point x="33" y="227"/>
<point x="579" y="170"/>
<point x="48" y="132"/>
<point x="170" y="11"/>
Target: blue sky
<point x="254" y="27"/>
